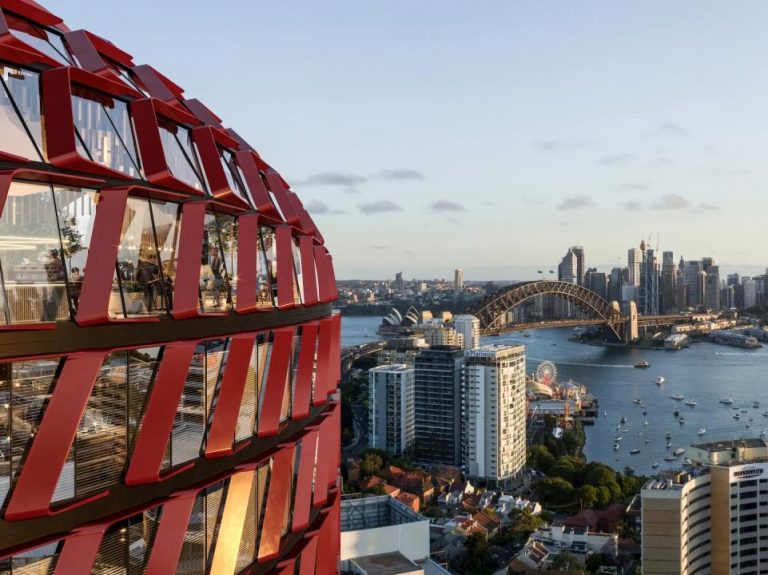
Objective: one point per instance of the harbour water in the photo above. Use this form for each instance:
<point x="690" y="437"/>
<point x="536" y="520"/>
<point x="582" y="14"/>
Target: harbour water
<point x="704" y="372"/>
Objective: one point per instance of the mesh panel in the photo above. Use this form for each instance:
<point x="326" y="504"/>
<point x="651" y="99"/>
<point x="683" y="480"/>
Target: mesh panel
<point x="262" y="484"/>
<point x="247" y="552"/>
<point x="112" y="556"/>
<point x="246" y="419"/>
<point x="192" y="557"/>
<point x="142" y="364"/>
<point x="291" y="493"/>
<point x="189" y="424"/>
<point x="140" y="536"/>
<point x="40" y="561"/>
<point x="285" y="409"/>
<point x="265" y="353"/>
<point x="212" y="510"/>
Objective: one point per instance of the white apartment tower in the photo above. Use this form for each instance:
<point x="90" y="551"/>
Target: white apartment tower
<point x="458" y="280"/>
<point x="391" y="416"/>
<point x="494" y="412"/>
<point x="469" y="327"/>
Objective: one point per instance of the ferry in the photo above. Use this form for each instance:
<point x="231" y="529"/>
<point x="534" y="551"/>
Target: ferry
<point x="701" y="431"/>
<point x="660" y="380"/>
<point x="678" y="397"/>
<point x="642" y="364"/>
<point x="678" y="452"/>
<point x="691" y="403"/>
<point x="726" y="400"/>
<point x="634" y="451"/>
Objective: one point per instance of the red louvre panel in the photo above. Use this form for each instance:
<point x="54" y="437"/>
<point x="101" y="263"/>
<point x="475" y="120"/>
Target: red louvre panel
<point x="247" y="257"/>
<point x="285" y="270"/>
<point x="246" y="160"/>
<point x="304" y="482"/>
<point x="153" y="437"/>
<point x="278" y="499"/>
<point x="46" y="458"/>
<point x="277" y="378"/>
<point x="278" y="188"/>
<point x="308" y="556"/>
<point x="324" y="461"/>
<point x="305" y="371"/>
<point x="14" y="50"/>
<point x="288" y="569"/>
<point x="332" y="280"/>
<point x="79" y="551"/>
<point x="222" y="433"/>
<point x="325" y="369"/>
<point x="325" y="551"/>
<point x="335" y="352"/>
<point x="205" y="140"/>
<point x="169" y="539"/>
<point x="327" y="290"/>
<point x="306" y="249"/>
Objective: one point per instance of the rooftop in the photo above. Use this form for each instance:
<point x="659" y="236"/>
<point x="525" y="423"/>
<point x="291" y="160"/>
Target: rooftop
<point x="392" y="368"/>
<point x="386" y="564"/>
<point x="371" y="512"/>
<point x="715" y="446"/>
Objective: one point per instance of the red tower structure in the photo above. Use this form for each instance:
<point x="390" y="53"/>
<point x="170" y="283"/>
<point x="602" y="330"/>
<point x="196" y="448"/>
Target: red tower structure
<point x="168" y="357"/>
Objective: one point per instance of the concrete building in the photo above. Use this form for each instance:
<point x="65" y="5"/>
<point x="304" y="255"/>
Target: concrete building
<point x="634" y="263"/>
<point x="749" y="288"/>
<point x="458" y="280"/>
<point x="438" y="333"/>
<point x="399" y="283"/>
<point x="714" y="521"/>
<point x="648" y="292"/>
<point x="494" y="412"/>
<point x="581" y="268"/>
<point x="668" y="283"/>
<point x="711" y="298"/>
<point x="391" y="408"/>
<point x="438" y="405"/>
<point x="694" y="282"/>
<point x="469" y="327"/>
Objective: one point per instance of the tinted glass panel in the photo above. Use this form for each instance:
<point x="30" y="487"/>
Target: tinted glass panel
<point x="39" y="38"/>
<point x="298" y="284"/>
<point x="20" y="131"/>
<point x="31" y="264"/>
<point x="228" y="232"/>
<point x="266" y="268"/>
<point x="76" y="210"/>
<point x="104" y="129"/>
<point x="214" y="282"/>
<point x="166" y="219"/>
<point x="232" y="172"/>
<point x="180" y="155"/>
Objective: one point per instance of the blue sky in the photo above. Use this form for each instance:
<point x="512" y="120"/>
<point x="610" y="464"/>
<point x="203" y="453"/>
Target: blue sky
<point x="486" y="135"/>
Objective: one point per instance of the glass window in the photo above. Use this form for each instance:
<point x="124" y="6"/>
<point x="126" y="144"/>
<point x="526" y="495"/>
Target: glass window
<point x="228" y="233"/>
<point x="31" y="265"/>
<point x="246" y="420"/>
<point x="125" y="547"/>
<point x="38" y="561"/>
<point x="180" y="154"/>
<point x="234" y="179"/>
<point x="214" y="281"/>
<point x="76" y="211"/>
<point x="298" y="284"/>
<point x="41" y="39"/>
<point x="20" y="121"/>
<point x="266" y="268"/>
<point x="25" y="388"/>
<point x="104" y="130"/>
<point x="140" y="286"/>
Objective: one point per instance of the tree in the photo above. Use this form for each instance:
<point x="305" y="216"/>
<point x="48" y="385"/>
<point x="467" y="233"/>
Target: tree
<point x="564" y="561"/>
<point x="597" y="560"/>
<point x="523" y="523"/>
<point x="476" y="554"/>
<point x="371" y="463"/>
<point x="555" y="491"/>
<point x="540" y="458"/>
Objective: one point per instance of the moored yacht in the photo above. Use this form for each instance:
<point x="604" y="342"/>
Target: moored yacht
<point x="726" y="400"/>
<point x="678" y="397"/>
<point x="660" y="380"/>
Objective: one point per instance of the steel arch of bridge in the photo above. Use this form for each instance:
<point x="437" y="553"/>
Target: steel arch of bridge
<point x="492" y="310"/>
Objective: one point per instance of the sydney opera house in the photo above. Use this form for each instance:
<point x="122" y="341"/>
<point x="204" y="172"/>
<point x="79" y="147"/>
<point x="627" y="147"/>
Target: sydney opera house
<point x="168" y="357"/>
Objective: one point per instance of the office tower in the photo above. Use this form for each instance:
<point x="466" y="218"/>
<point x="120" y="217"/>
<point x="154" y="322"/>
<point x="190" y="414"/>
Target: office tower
<point x="438" y="405"/>
<point x="668" y="282"/>
<point x="399" y="283"/>
<point x="567" y="271"/>
<point x="728" y="297"/>
<point x="733" y="279"/>
<point x="634" y="262"/>
<point x="694" y="282"/>
<point x="165" y="394"/>
<point x="712" y="521"/>
<point x="597" y="282"/>
<point x="648" y="292"/>
<point x="615" y="284"/>
<point x="712" y="288"/>
<point x="749" y="290"/>
<point x="458" y="280"/>
<point x="391" y="408"/>
<point x="494" y="412"/>
<point x="469" y="327"/>
<point x="442" y="334"/>
<point x="578" y="251"/>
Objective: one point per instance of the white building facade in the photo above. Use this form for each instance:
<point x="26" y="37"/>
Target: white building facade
<point x="391" y="415"/>
<point x="469" y="327"/>
<point x="494" y="412"/>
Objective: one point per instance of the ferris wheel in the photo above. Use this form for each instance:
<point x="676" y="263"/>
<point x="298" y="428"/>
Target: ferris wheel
<point x="546" y="373"/>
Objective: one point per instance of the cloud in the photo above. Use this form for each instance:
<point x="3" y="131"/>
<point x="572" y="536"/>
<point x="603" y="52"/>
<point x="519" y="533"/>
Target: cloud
<point x="442" y="206"/>
<point x="380" y="248"/>
<point x="663" y="161"/>
<point x="380" y="207"/>
<point x="632" y="206"/>
<point x="616" y="159"/>
<point x="707" y="207"/>
<point x="672" y="129"/>
<point x="317" y="207"/>
<point x="334" y="179"/>
<point x="727" y="171"/>
<point x="534" y="200"/>
<point x="399" y="174"/>
<point x="555" y="145"/>
<point x="489" y="203"/>
<point x="670" y="202"/>
<point x="635" y="186"/>
<point x="575" y="203"/>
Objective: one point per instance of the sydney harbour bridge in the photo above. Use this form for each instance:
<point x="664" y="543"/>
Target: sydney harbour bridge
<point x="618" y="327"/>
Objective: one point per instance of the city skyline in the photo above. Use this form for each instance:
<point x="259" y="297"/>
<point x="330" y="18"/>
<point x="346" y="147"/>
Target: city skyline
<point x="552" y="125"/>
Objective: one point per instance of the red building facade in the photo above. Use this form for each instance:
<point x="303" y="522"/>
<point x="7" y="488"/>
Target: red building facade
<point x="168" y="357"/>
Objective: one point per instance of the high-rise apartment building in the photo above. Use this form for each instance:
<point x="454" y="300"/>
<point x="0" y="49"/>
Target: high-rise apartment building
<point x="711" y="299"/>
<point x="634" y="263"/>
<point x="168" y="398"/>
<point x="567" y="271"/>
<point x="391" y="418"/>
<point x="694" y="282"/>
<point x="713" y="520"/>
<point x="749" y="291"/>
<point x="469" y="327"/>
<point x="581" y="268"/>
<point x="494" y="412"/>
<point x="615" y="284"/>
<point x="597" y="282"/>
<point x="437" y="408"/>
<point x="439" y="333"/>
<point x="458" y="280"/>
<point x="399" y="283"/>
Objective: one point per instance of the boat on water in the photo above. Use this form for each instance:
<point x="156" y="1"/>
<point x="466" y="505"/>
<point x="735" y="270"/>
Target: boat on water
<point x="678" y="397"/>
<point x="691" y="403"/>
<point x="726" y="400"/>
<point x="605" y="413"/>
<point x="755" y="404"/>
<point x="667" y="435"/>
<point x="527" y="334"/>
<point x="743" y="410"/>
<point x="681" y="420"/>
<point x="655" y="465"/>
<point x="618" y="438"/>
<point x="660" y="380"/>
<point x="701" y="431"/>
<point x="645" y="422"/>
<point x="645" y="412"/>
<point x="625" y="430"/>
<point x="623" y="419"/>
<point x="634" y="451"/>
<point x="687" y="461"/>
<point x="676" y="413"/>
<point x="765" y="414"/>
<point x="616" y="446"/>
<point x="669" y="458"/>
<point x="642" y="364"/>
<point x="647" y="441"/>
<point x="736" y="416"/>
<point x="637" y="401"/>
<point x="669" y="444"/>
<point x="678" y="452"/>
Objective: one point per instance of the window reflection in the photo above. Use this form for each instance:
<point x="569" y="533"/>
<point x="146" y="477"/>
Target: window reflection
<point x="234" y="179"/>
<point x="20" y="121"/>
<point x="265" y="267"/>
<point x="31" y="265"/>
<point x="141" y="286"/>
<point x="76" y="210"/>
<point x="39" y="38"/>
<point x="214" y="281"/>
<point x="228" y="232"/>
<point x="104" y="131"/>
<point x="25" y="388"/>
<point x="180" y="155"/>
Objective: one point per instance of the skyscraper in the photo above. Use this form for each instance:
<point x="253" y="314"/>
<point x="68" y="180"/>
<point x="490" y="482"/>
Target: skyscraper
<point x="668" y="282"/>
<point x="711" y="298"/>
<point x="438" y="405"/>
<point x="391" y="419"/>
<point x="399" y="283"/>
<point x="458" y="280"/>
<point x="494" y="412"/>
<point x="567" y="271"/>
<point x="581" y="269"/>
<point x="180" y="414"/>
<point x="634" y="263"/>
<point x="648" y="292"/>
<point x="469" y="327"/>
<point x="694" y="282"/>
